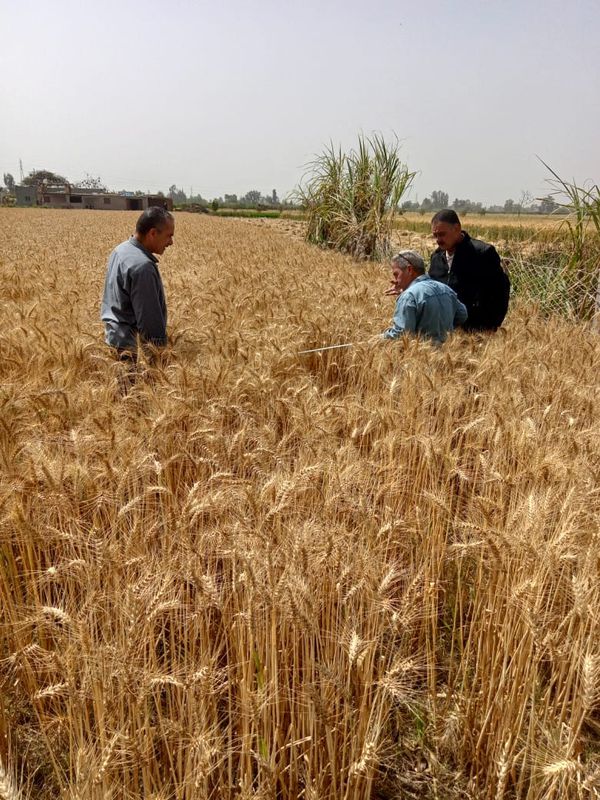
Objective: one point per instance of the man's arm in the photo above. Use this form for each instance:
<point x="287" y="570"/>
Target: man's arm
<point x="497" y="293"/>
<point x="404" y="319"/>
<point x="146" y="294"/>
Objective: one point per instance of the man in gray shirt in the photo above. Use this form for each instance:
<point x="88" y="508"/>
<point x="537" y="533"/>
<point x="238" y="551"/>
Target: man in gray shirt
<point x="425" y="306"/>
<point x="134" y="298"/>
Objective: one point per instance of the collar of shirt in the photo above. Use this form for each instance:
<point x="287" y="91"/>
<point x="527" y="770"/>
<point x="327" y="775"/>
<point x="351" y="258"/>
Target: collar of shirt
<point x="141" y="247"/>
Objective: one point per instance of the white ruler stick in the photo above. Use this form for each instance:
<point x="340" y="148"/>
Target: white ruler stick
<point x="329" y="347"/>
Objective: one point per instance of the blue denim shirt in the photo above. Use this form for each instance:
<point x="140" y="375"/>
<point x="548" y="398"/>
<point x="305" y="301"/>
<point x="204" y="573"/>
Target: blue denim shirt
<point x="429" y="308"/>
<point x="134" y="298"/>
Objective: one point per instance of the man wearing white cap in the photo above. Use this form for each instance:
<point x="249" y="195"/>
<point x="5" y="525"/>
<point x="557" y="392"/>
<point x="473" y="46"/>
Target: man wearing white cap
<point x="425" y="307"/>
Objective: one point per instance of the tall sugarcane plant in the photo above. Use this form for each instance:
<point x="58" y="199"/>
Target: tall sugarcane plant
<point x="351" y="199"/>
<point x="583" y="225"/>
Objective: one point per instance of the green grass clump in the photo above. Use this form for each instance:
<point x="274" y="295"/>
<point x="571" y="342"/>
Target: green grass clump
<point x="351" y="199"/>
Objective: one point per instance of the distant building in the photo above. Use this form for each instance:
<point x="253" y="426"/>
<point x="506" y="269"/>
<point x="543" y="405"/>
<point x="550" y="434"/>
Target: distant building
<point x="26" y="195"/>
<point x="67" y="196"/>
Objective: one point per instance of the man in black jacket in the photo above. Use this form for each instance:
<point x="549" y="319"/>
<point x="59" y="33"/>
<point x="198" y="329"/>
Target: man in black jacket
<point x="473" y="269"/>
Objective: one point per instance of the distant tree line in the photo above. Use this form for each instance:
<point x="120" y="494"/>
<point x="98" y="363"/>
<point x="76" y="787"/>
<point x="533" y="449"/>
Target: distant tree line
<point x="44" y="177"/>
<point x="252" y="199"/>
<point x="526" y="205"/>
<point x="255" y="199"/>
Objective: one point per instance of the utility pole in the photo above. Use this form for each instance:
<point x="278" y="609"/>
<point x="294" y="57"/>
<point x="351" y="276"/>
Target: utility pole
<point x="21" y="170"/>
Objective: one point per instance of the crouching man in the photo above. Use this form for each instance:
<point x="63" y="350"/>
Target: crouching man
<point x="424" y="307"/>
<point x="134" y="303"/>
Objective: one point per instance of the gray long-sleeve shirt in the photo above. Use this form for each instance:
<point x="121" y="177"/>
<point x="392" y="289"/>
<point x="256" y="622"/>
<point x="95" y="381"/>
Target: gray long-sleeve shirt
<point x="134" y="298"/>
<point x="429" y="308"/>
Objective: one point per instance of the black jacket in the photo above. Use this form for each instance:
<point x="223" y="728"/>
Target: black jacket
<point x="478" y="279"/>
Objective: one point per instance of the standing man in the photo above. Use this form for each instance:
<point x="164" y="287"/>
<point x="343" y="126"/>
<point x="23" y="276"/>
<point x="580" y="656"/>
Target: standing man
<point x="134" y="303"/>
<point x="425" y="306"/>
<point x="473" y="269"/>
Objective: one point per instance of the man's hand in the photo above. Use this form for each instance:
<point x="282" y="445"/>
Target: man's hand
<point x="393" y="290"/>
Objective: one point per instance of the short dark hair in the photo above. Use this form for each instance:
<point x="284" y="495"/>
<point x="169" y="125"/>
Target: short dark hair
<point x="152" y="217"/>
<point x="448" y="215"/>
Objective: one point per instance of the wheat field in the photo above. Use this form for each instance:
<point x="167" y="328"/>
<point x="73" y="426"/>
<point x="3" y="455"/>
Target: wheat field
<point x="368" y="573"/>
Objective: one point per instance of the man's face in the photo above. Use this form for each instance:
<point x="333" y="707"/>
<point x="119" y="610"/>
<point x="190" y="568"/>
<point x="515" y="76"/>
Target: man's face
<point x="446" y="234"/>
<point x="402" y="276"/>
<point x="158" y="239"/>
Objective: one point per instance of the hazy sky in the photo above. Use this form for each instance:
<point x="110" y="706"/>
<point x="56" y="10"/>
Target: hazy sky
<point x="227" y="97"/>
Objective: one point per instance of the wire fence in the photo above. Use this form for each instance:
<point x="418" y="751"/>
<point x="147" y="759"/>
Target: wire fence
<point x="555" y="281"/>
